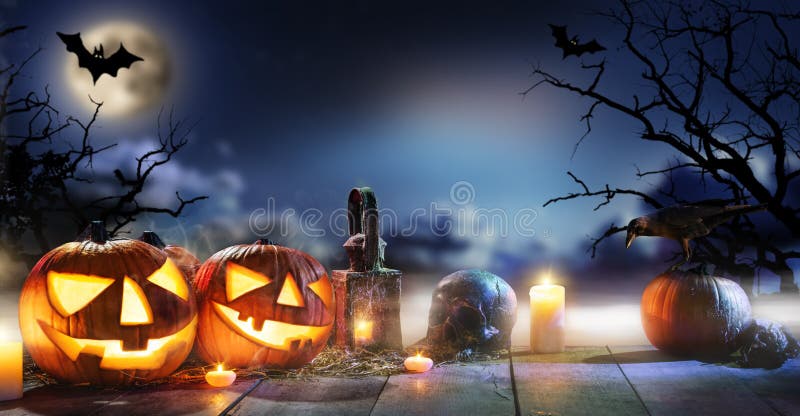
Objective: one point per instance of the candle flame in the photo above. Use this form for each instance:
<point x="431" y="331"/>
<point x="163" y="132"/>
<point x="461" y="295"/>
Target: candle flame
<point x="219" y="367"/>
<point x="419" y="355"/>
<point x="547" y="276"/>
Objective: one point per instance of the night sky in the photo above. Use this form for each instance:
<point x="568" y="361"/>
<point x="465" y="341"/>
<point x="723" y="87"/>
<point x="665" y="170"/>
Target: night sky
<point x="298" y="102"/>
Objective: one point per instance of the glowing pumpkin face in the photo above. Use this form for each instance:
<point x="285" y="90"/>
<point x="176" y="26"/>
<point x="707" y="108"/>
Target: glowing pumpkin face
<point x="263" y="305"/>
<point x="107" y="312"/>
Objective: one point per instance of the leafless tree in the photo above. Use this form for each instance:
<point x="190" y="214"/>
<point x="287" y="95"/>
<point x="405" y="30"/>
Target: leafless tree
<point x="46" y="171"/>
<point x="721" y="86"/>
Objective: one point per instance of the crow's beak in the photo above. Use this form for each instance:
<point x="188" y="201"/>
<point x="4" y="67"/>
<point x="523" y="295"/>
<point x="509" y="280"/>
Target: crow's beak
<point x="631" y="237"/>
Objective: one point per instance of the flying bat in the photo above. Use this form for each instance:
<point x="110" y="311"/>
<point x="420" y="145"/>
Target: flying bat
<point x="571" y="46"/>
<point x="95" y="61"/>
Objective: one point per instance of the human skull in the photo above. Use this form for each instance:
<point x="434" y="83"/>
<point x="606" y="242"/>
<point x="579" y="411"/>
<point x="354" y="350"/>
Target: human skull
<point x="472" y="309"/>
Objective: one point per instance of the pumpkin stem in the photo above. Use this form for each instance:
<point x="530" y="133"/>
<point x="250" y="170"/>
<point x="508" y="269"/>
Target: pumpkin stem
<point x="703" y="269"/>
<point x="95" y="232"/>
<point x="266" y="242"/>
<point x="153" y="239"/>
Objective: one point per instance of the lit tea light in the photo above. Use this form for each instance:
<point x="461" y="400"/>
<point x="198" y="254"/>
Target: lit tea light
<point x="220" y="377"/>
<point x="363" y="332"/>
<point x="10" y="369"/>
<point x="418" y="363"/>
<point x="547" y="318"/>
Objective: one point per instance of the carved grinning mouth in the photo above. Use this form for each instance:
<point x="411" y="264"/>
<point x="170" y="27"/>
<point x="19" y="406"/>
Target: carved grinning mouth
<point x="273" y="334"/>
<point x="113" y="357"/>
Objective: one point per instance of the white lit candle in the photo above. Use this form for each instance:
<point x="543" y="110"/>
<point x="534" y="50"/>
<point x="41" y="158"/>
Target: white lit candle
<point x="10" y="370"/>
<point x="418" y="363"/>
<point x="547" y="318"/>
<point x="220" y="377"/>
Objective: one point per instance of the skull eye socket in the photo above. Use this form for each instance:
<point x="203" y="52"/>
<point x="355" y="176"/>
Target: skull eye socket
<point x="323" y="289"/>
<point x="71" y="292"/>
<point x="240" y="280"/>
<point x="170" y="278"/>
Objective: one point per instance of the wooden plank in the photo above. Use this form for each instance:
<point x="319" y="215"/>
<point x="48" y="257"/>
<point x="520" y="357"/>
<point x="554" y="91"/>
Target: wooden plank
<point x="320" y="396"/>
<point x="670" y="385"/>
<point x="183" y="399"/>
<point x="779" y="388"/>
<point x="572" y="355"/>
<point x="471" y="389"/>
<point x="60" y="400"/>
<point x="580" y="381"/>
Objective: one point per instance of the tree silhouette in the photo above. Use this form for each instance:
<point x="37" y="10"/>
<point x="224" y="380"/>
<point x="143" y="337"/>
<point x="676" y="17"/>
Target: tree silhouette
<point x="46" y="174"/>
<point x="720" y="85"/>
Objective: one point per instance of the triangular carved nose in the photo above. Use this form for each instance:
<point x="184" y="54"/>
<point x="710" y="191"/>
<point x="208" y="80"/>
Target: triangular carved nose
<point x="135" y="309"/>
<point x="290" y="293"/>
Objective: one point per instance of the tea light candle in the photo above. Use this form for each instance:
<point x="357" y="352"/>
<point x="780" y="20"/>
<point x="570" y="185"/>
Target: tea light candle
<point x="547" y="318"/>
<point x="10" y="370"/>
<point x="418" y="363"/>
<point x="363" y="332"/>
<point x="220" y="377"/>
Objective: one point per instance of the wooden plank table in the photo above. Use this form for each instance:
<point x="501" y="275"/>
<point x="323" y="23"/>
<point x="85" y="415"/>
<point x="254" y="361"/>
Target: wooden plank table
<point x="474" y="389"/>
<point x="581" y="381"/>
<point x="675" y="386"/>
<point x="322" y="396"/>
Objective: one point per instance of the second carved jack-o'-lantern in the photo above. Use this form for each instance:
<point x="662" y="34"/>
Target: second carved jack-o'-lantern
<point x="263" y="305"/>
<point x="185" y="260"/>
<point x="107" y="312"/>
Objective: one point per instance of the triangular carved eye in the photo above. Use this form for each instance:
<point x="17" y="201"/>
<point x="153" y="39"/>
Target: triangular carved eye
<point x="240" y="280"/>
<point x="290" y="294"/>
<point x="323" y="289"/>
<point x="135" y="308"/>
<point x="170" y="278"/>
<point x="71" y="292"/>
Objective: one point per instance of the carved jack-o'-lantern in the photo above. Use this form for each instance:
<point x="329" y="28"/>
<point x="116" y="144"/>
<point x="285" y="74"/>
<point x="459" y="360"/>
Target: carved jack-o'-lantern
<point x="107" y="312"/>
<point x="263" y="305"/>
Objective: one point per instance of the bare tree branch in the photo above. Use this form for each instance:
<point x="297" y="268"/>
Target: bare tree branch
<point x="607" y="193"/>
<point x="686" y="54"/>
<point x="46" y="168"/>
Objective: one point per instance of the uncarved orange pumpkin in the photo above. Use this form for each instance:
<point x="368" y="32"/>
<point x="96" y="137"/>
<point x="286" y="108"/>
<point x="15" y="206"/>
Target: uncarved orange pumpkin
<point x="689" y="313"/>
<point x="183" y="258"/>
<point x="107" y="312"/>
<point x="262" y="305"/>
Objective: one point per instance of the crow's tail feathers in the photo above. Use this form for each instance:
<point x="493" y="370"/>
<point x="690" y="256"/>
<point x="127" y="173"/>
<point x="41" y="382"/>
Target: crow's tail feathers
<point x="744" y="209"/>
<point x="732" y="211"/>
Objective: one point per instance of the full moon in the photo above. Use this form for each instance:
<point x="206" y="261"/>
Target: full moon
<point x="134" y="89"/>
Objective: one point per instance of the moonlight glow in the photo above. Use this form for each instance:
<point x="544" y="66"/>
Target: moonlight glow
<point x="134" y="89"/>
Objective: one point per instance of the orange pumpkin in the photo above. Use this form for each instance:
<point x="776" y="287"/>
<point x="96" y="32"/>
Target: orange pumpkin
<point x="185" y="260"/>
<point x="107" y="312"/>
<point x="262" y="305"/>
<point x="694" y="314"/>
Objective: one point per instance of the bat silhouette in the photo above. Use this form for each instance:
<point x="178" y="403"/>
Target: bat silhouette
<point x="96" y="62"/>
<point x="571" y="46"/>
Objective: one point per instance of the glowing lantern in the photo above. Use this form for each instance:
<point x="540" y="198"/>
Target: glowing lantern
<point x="263" y="305"/>
<point x="107" y="312"/>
